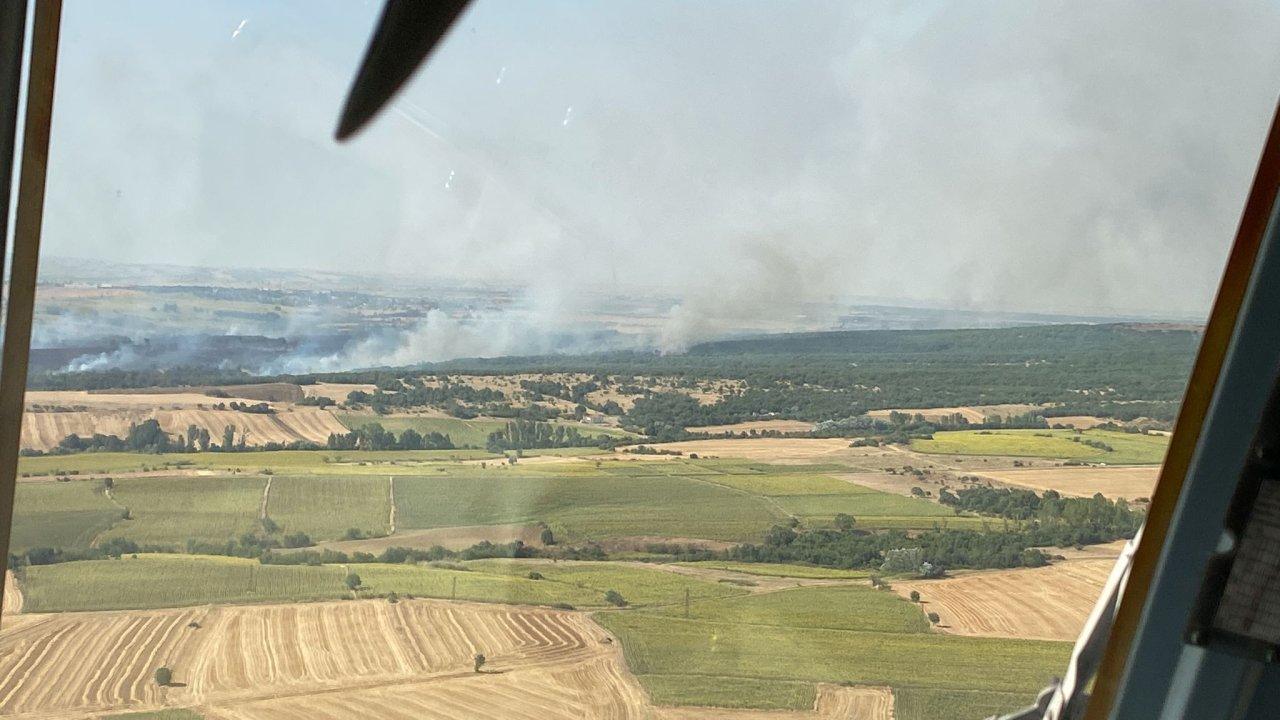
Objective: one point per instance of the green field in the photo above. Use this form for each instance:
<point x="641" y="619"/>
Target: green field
<point x="1127" y="448"/>
<point x="842" y="634"/>
<point x="841" y="607"/>
<point x="586" y="507"/>
<point x="638" y="585"/>
<point x="325" y="507"/>
<point x="782" y="570"/>
<point x="60" y="515"/>
<point x="580" y="501"/>
<point x="170" y="510"/>
<point x="463" y="433"/>
<point x="155" y="581"/>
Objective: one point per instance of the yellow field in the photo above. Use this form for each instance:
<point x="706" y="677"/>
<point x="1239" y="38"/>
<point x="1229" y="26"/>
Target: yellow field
<point x="373" y="659"/>
<point x="786" y="426"/>
<point x="1048" y="603"/>
<point x="337" y="392"/>
<point x="43" y="430"/>
<point x="972" y="413"/>
<point x="778" y="450"/>
<point x="1113" y="482"/>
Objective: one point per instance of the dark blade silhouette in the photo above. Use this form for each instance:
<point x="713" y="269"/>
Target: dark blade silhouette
<point x="407" y="33"/>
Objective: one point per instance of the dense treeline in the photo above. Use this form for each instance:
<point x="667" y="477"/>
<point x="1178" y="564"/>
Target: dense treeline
<point x="374" y="437"/>
<point x="1116" y="371"/>
<point x="528" y="435"/>
<point x="1039" y="521"/>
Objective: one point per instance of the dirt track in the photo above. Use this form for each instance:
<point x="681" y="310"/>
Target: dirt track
<point x="12" y="594"/>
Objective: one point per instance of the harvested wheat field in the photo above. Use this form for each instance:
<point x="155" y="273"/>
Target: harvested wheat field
<point x="104" y="661"/>
<point x="372" y="659"/>
<point x="44" y="430"/>
<point x="1047" y="603"/>
<point x="786" y="426"/>
<point x="1113" y="482"/>
<point x="972" y="413"/>
<point x="777" y="450"/>
<point x="336" y="392"/>
<point x="12" y="603"/>
<point x="125" y="400"/>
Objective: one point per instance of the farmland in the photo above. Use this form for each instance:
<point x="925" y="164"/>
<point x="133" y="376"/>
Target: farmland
<point x="658" y="573"/>
<point x="1128" y="448"/>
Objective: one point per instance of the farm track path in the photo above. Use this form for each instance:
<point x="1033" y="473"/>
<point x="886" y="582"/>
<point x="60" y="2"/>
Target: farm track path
<point x="112" y="499"/>
<point x="391" y="495"/>
<point x="266" y="495"/>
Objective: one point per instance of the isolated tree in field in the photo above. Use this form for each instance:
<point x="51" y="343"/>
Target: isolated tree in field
<point x="613" y="597"/>
<point x="479" y="662"/>
<point x="228" y="438"/>
<point x="548" y="537"/>
<point x="844" y="522"/>
<point x="933" y="618"/>
<point x="352" y="582"/>
<point x="163" y="675"/>
<point x="915" y="596"/>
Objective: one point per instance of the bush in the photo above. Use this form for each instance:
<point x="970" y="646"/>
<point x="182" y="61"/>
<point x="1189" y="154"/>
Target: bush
<point x="613" y="597"/>
<point x="915" y="596"/>
<point x="933" y="618"/>
<point x="534" y="575"/>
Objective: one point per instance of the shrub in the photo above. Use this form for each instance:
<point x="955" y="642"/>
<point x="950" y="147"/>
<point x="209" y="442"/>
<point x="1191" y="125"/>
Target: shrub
<point x="915" y="596"/>
<point x="613" y="597"/>
<point x="933" y="618"/>
<point x="535" y="575"/>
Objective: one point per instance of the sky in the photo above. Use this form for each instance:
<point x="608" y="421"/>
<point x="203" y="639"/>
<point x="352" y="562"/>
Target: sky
<point x="740" y="157"/>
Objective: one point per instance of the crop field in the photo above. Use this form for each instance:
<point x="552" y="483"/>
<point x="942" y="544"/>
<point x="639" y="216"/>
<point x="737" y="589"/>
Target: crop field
<point x="1113" y="482"/>
<point x="463" y="433"/>
<point x="44" y="430"/>
<point x="236" y="655"/>
<point x="158" y="581"/>
<point x="1128" y="448"/>
<point x="586" y="507"/>
<point x="169" y="511"/>
<point x="685" y="661"/>
<point x="1046" y="603"/>
<point x="781" y="570"/>
<point x="61" y="515"/>
<point x="325" y="507"/>
<point x="837" y="607"/>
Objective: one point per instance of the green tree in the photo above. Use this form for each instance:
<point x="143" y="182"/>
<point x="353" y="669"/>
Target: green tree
<point x="613" y="597"/>
<point x="933" y="618"/>
<point x="478" y="661"/>
<point x="548" y="537"/>
<point x="353" y="581"/>
<point x="163" y="675"/>
<point x="844" y="522"/>
<point x="915" y="596"/>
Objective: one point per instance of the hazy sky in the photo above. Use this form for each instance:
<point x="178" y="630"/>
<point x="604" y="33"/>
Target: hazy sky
<point x="1016" y="155"/>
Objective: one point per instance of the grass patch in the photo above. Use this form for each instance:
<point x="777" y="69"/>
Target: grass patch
<point x="168" y="511"/>
<point x="60" y="515"/>
<point x="1127" y="448"/>
<point x="325" y="507"/>
<point x="789" y="484"/>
